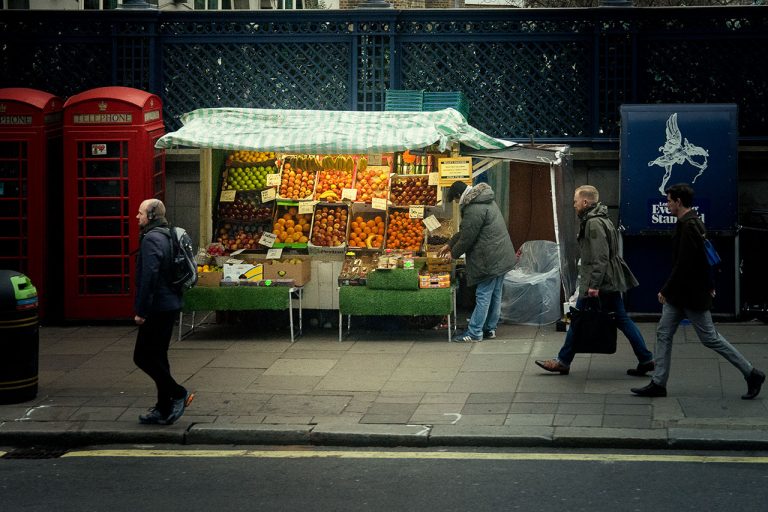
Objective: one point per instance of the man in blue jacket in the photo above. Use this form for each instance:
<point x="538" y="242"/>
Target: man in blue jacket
<point x="688" y="293"/>
<point x="157" y="305"/>
<point x="484" y="239"/>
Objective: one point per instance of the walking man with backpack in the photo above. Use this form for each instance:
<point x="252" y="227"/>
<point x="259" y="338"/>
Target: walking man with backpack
<point x="688" y="293"/>
<point x="157" y="304"/>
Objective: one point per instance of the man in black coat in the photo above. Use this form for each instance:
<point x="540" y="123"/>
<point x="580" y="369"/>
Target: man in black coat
<point x="157" y="305"/>
<point x="688" y="293"/>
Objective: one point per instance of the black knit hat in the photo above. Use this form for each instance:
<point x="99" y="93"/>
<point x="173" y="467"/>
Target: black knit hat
<point x="457" y="188"/>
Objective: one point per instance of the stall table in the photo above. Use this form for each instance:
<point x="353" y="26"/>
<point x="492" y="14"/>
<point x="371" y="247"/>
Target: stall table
<point x="363" y="301"/>
<point x="240" y="298"/>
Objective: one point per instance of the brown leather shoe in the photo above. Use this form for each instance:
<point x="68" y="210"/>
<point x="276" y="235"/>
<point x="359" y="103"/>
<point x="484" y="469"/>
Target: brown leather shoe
<point x="554" y="366"/>
<point x="642" y="369"/>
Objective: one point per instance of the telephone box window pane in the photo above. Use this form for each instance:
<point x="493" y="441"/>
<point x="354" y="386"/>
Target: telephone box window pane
<point x="17" y="264"/>
<point x="96" y="150"/>
<point x="9" y="189"/>
<point x="10" y="149"/>
<point x="11" y="227"/>
<point x="9" y="208"/>
<point x="100" y="247"/>
<point x="125" y="169"/>
<point x="13" y="248"/>
<point x="103" y="285"/>
<point x="110" y="188"/>
<point x="9" y="170"/>
<point x="102" y="227"/>
<point x="102" y="208"/>
<point x="103" y="266"/>
<point x="103" y="169"/>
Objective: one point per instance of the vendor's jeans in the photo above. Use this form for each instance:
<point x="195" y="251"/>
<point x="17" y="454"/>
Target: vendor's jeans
<point x="671" y="316"/>
<point x="485" y="316"/>
<point x="610" y="301"/>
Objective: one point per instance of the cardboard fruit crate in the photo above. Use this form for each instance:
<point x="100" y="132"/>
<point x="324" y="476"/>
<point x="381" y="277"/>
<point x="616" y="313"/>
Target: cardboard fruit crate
<point x="286" y="224"/>
<point x="295" y="170"/>
<point x="412" y="190"/>
<point x="367" y="228"/>
<point x="325" y="217"/>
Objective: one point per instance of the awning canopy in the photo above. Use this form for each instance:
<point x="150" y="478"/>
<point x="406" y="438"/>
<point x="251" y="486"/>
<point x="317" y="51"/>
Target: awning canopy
<point x="325" y="131"/>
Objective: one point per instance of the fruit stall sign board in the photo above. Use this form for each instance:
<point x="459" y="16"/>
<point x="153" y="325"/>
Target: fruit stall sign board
<point x="268" y="239"/>
<point x="434" y="178"/>
<point x="349" y="193"/>
<point x="227" y="196"/>
<point x="416" y="212"/>
<point x="431" y="223"/>
<point x="268" y="195"/>
<point x="454" y="169"/>
<point x="378" y="203"/>
<point x="273" y="180"/>
<point x="306" y="207"/>
<point x="274" y="254"/>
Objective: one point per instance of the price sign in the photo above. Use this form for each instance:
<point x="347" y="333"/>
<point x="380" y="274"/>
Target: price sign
<point x="434" y="178"/>
<point x="454" y="169"/>
<point x="374" y="159"/>
<point x="268" y="195"/>
<point x="416" y="212"/>
<point x="275" y="254"/>
<point x="349" y="193"/>
<point x="268" y="239"/>
<point x="227" y="196"/>
<point x="378" y="203"/>
<point x="306" y="207"/>
<point x="431" y="223"/>
<point x="273" y="180"/>
<point x="235" y="253"/>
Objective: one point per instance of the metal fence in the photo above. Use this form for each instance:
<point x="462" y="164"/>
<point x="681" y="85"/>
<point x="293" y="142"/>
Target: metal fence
<point x="555" y="75"/>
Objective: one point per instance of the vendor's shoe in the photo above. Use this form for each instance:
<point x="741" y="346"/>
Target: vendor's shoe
<point x="554" y="366"/>
<point x="489" y="335"/>
<point x="642" y="369"/>
<point x="754" y="383"/>
<point x="153" y="417"/>
<point x="465" y="338"/>
<point x="652" y="390"/>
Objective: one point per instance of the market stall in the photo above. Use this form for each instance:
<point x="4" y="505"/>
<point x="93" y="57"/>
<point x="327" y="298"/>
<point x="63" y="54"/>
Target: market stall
<point x="369" y="184"/>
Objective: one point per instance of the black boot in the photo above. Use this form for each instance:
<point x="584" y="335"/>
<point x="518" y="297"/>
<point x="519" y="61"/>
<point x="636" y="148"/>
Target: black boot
<point x="651" y="389"/>
<point x="642" y="369"/>
<point x="754" y="383"/>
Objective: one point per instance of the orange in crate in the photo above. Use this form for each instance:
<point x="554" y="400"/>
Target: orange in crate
<point x="366" y="232"/>
<point x="404" y="232"/>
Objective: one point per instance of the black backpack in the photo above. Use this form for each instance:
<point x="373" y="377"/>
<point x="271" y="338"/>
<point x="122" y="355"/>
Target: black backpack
<point x="183" y="271"/>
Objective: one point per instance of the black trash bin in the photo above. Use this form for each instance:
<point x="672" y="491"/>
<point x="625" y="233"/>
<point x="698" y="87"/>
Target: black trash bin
<point x="19" y="338"/>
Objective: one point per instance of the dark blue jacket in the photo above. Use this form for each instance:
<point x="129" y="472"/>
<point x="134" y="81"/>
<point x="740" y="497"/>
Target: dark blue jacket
<point x="153" y="293"/>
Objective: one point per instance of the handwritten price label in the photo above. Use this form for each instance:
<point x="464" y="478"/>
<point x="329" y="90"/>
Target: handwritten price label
<point x="268" y="195"/>
<point x="431" y="223"/>
<point x="268" y="239"/>
<point x="275" y="254"/>
<point x="434" y="178"/>
<point x="377" y="203"/>
<point x="227" y="196"/>
<point x="306" y="207"/>
<point x="273" y="180"/>
<point x="349" y="193"/>
<point x="416" y="212"/>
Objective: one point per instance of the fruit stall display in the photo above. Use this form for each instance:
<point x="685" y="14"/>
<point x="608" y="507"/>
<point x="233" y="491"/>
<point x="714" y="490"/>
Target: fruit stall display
<point x="234" y="236"/>
<point x="247" y="170"/>
<point x="291" y="227"/>
<point x="247" y="207"/>
<point x="297" y="177"/>
<point x="366" y="229"/>
<point x="336" y="173"/>
<point x="404" y="232"/>
<point x="412" y="190"/>
<point x="329" y="226"/>
<point x="371" y="182"/>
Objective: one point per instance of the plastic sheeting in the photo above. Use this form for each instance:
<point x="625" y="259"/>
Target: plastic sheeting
<point x="531" y="293"/>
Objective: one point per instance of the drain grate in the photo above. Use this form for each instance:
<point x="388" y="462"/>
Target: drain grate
<point x="35" y="453"/>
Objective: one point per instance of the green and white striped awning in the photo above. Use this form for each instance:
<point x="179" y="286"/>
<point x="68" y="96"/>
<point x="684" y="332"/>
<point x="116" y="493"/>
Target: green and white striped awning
<point x="324" y="131"/>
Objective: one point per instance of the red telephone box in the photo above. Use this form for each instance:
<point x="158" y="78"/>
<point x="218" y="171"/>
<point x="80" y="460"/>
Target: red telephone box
<point x="110" y="166"/>
<point x="30" y="156"/>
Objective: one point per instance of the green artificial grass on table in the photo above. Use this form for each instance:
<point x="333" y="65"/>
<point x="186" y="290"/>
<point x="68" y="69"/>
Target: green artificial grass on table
<point x="394" y="279"/>
<point x="361" y="300"/>
<point x="236" y="298"/>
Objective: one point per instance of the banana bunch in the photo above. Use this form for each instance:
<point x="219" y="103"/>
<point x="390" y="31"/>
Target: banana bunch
<point x="338" y="162"/>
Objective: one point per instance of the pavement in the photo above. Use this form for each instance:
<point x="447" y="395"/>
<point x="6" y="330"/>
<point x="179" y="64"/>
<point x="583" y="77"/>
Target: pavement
<point x="401" y="387"/>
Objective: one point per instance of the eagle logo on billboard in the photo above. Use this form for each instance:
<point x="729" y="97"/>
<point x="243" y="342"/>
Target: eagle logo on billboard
<point x="676" y="151"/>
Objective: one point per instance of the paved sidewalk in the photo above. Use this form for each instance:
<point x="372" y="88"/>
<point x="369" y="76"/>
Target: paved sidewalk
<point x="409" y="388"/>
